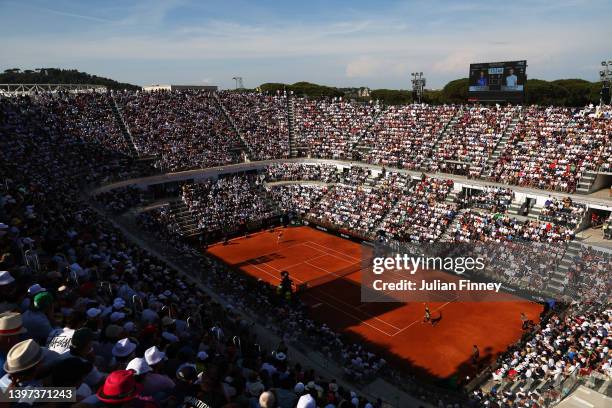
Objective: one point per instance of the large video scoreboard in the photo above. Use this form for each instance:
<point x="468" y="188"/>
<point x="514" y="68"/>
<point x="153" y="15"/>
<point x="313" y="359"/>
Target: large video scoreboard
<point x="497" y="82"/>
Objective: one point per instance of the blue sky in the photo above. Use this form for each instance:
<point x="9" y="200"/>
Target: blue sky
<point x="375" y="43"/>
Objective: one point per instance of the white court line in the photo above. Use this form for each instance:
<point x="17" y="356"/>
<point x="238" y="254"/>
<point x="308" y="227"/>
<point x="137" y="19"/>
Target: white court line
<point x="353" y="306"/>
<point x="333" y="250"/>
<point x="332" y="306"/>
<point x="310" y="259"/>
<point x="327" y="302"/>
<point x="273" y="276"/>
<point x="417" y="321"/>
<point x="330" y="254"/>
<point x="361" y="321"/>
<point x="339" y="300"/>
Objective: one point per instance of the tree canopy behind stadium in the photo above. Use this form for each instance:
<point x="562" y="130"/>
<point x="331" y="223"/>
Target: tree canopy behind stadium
<point x="560" y="92"/>
<point x="59" y="76"/>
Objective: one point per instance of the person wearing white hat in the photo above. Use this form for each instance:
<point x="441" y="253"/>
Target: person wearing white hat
<point x="306" y="401"/>
<point x="155" y="381"/>
<point x="139" y="366"/>
<point x="123" y="348"/>
<point x="11" y="329"/>
<point x="6" y="278"/>
<point x="123" y="351"/>
<point x="20" y="365"/>
<point x="154" y="356"/>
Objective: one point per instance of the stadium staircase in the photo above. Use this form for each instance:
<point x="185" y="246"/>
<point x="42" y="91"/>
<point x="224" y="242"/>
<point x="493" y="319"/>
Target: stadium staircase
<point x="524" y="210"/>
<point x="447" y="126"/>
<point x="359" y="146"/>
<point x="125" y="130"/>
<point x="455" y="224"/>
<point x="560" y="275"/>
<point x="293" y="151"/>
<point x="244" y="146"/>
<point x="534" y="213"/>
<point x="451" y="198"/>
<point x="499" y="148"/>
<point x="585" y="183"/>
<point x="184" y="218"/>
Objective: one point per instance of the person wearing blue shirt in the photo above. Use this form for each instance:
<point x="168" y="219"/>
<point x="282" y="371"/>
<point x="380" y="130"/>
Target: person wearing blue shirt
<point x="482" y="81"/>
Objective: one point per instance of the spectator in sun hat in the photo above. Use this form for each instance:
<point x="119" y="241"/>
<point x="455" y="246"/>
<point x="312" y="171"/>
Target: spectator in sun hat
<point x="21" y="365"/>
<point x="11" y="330"/>
<point x="299" y="389"/>
<point x="154" y="356"/>
<point x="119" y="388"/>
<point x="156" y="381"/>
<point x="37" y="318"/>
<point x="139" y="366"/>
<point x="32" y="291"/>
<point x="123" y="351"/>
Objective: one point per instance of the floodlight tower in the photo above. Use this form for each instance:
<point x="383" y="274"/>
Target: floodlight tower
<point x="239" y="84"/>
<point x="606" y="79"/>
<point x="418" y="85"/>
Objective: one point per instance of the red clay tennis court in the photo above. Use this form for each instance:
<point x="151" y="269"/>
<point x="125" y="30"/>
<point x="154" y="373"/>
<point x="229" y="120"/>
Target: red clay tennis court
<point x="396" y="329"/>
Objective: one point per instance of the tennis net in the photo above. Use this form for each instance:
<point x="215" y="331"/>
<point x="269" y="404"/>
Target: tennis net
<point x="332" y="276"/>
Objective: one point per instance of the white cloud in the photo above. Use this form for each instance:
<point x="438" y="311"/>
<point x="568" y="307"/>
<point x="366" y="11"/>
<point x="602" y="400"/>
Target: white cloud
<point x="363" y="66"/>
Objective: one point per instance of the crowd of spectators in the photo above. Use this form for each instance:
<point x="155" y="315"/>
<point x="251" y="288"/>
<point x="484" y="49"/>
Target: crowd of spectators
<point x="472" y="138"/>
<point x="297" y="198"/>
<point x="491" y="198"/>
<point x="563" y="212"/>
<point x="331" y="128"/>
<point x="227" y="202"/>
<point x="120" y="199"/>
<point x="590" y="274"/>
<point x="551" y="148"/>
<point x="262" y="121"/>
<point x="302" y="171"/>
<point x="88" y="116"/>
<point x="182" y="129"/>
<point x="570" y="344"/>
<point x="81" y="306"/>
<point x="404" y="136"/>
<point x="481" y="226"/>
<point x="357" y="209"/>
<point x="421" y="215"/>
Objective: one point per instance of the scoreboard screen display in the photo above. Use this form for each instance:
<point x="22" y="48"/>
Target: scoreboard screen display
<point x="497" y="81"/>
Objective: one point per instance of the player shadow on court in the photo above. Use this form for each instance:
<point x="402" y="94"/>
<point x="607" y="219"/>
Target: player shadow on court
<point x="436" y="320"/>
